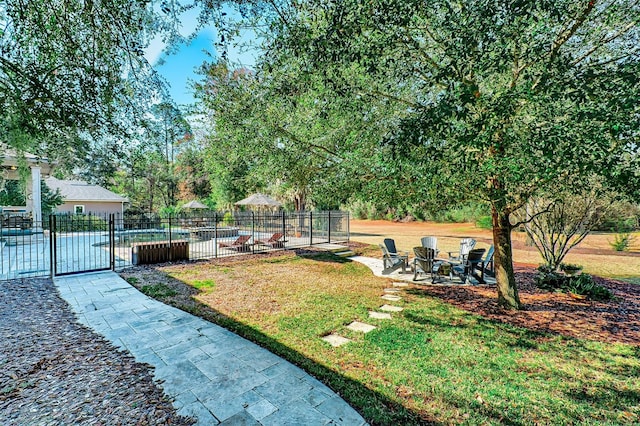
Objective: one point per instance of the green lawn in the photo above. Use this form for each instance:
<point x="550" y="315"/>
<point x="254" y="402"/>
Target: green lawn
<point x="430" y="363"/>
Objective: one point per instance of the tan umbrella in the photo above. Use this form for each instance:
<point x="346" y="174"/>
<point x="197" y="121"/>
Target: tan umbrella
<point x="259" y="200"/>
<point x="195" y="204"/>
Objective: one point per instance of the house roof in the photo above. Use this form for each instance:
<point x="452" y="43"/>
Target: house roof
<point x="77" y="190"/>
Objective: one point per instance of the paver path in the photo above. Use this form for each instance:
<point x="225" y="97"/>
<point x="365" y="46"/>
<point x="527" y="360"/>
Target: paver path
<point x="213" y="374"/>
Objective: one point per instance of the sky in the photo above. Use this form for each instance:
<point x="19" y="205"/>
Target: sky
<point x="179" y="68"/>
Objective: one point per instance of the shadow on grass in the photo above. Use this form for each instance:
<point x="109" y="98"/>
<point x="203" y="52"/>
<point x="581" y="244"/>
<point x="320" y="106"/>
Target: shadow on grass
<point x="376" y="408"/>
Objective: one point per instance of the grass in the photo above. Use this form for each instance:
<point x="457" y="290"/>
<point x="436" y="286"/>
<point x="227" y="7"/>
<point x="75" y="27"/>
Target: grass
<point x="432" y="363"/>
<point x="158" y="291"/>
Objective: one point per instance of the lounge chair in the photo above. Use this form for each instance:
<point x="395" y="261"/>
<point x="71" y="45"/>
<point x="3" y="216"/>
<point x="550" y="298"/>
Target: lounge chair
<point x="275" y="241"/>
<point x="472" y="262"/>
<point x="240" y="244"/>
<point x="393" y="260"/>
<point x="466" y="245"/>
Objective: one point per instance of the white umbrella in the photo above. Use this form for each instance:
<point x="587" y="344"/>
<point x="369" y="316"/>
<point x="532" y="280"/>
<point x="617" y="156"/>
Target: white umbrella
<point x="194" y="205"/>
<point x="259" y="200"/>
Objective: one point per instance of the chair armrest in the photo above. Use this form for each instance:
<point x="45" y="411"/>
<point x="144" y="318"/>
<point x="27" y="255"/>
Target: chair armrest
<point x="406" y="254"/>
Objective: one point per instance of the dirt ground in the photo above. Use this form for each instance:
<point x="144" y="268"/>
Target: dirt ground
<point x="594" y="253"/>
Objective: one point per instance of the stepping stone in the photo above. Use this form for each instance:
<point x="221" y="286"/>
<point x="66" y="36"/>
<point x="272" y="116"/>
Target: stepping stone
<point x="389" y="308"/>
<point x="400" y="284"/>
<point x="379" y="315"/>
<point x="335" y="340"/>
<point x="392" y="290"/>
<point x="360" y="326"/>
<point x="391" y="298"/>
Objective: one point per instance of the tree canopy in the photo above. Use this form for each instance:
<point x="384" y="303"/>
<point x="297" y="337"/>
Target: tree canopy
<point x="497" y="101"/>
<point x="72" y="71"/>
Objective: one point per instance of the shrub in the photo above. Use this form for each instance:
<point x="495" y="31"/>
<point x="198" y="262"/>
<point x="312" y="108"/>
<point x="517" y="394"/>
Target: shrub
<point x="81" y="223"/>
<point x="417" y="212"/>
<point x="228" y="219"/>
<point x="583" y="284"/>
<point x="622" y="241"/>
<point x="621" y="216"/>
<point x="366" y="210"/>
<point x="460" y="214"/>
<point x="570" y="268"/>
<point x="549" y="279"/>
<point x="484" y="222"/>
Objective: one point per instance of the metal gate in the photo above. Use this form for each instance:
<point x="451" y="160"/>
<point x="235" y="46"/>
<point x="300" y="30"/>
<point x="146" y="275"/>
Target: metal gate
<point x="81" y="243"/>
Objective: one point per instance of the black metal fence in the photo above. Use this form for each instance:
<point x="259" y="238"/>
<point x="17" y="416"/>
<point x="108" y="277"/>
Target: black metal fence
<point x="24" y="250"/>
<point x="67" y="244"/>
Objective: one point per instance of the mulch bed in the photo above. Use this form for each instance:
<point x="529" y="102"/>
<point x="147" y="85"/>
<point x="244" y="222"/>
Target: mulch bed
<point x="616" y="321"/>
<point x="55" y="371"/>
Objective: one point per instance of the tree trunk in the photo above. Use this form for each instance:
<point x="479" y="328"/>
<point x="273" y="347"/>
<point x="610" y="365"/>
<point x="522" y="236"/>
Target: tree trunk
<point x="503" y="260"/>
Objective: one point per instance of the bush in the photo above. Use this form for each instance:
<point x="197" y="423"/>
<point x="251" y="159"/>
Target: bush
<point x="228" y="219"/>
<point x="366" y="210"/>
<point x="583" y="284"/>
<point x="549" y="279"/>
<point x="622" y="241"/>
<point x="417" y="212"/>
<point x="465" y="213"/>
<point x="621" y="216"/>
<point x="80" y="223"/>
<point x="484" y="222"/>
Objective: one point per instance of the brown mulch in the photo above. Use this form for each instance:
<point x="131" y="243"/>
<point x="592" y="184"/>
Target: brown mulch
<point x="615" y="321"/>
<point x="55" y="371"/>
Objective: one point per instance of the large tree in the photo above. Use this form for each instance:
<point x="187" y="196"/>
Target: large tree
<point x="502" y="99"/>
<point x="74" y="71"/>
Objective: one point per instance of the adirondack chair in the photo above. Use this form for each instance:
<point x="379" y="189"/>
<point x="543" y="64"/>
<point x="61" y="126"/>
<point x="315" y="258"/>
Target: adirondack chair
<point x="472" y="262"/>
<point x="425" y="262"/>
<point x="430" y="242"/>
<point x="392" y="260"/>
<point x="240" y="244"/>
<point x="466" y="245"/>
<point x="487" y="262"/>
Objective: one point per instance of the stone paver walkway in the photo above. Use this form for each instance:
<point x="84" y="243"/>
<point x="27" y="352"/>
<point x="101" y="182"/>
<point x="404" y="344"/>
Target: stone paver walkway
<point x="213" y="374"/>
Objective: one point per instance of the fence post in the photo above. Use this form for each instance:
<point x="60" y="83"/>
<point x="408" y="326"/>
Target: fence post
<point x="253" y="231"/>
<point x="112" y="242"/>
<point x="52" y="242"/>
<point x="310" y="228"/>
<point x="348" y="228"/>
<point x="169" y="254"/>
<point x="284" y="228"/>
<point x="215" y="234"/>
<point x="329" y="228"/>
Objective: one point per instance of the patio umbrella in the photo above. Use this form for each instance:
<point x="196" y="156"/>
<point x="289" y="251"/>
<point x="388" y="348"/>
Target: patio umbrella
<point x="259" y="200"/>
<point x="195" y="204"/>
